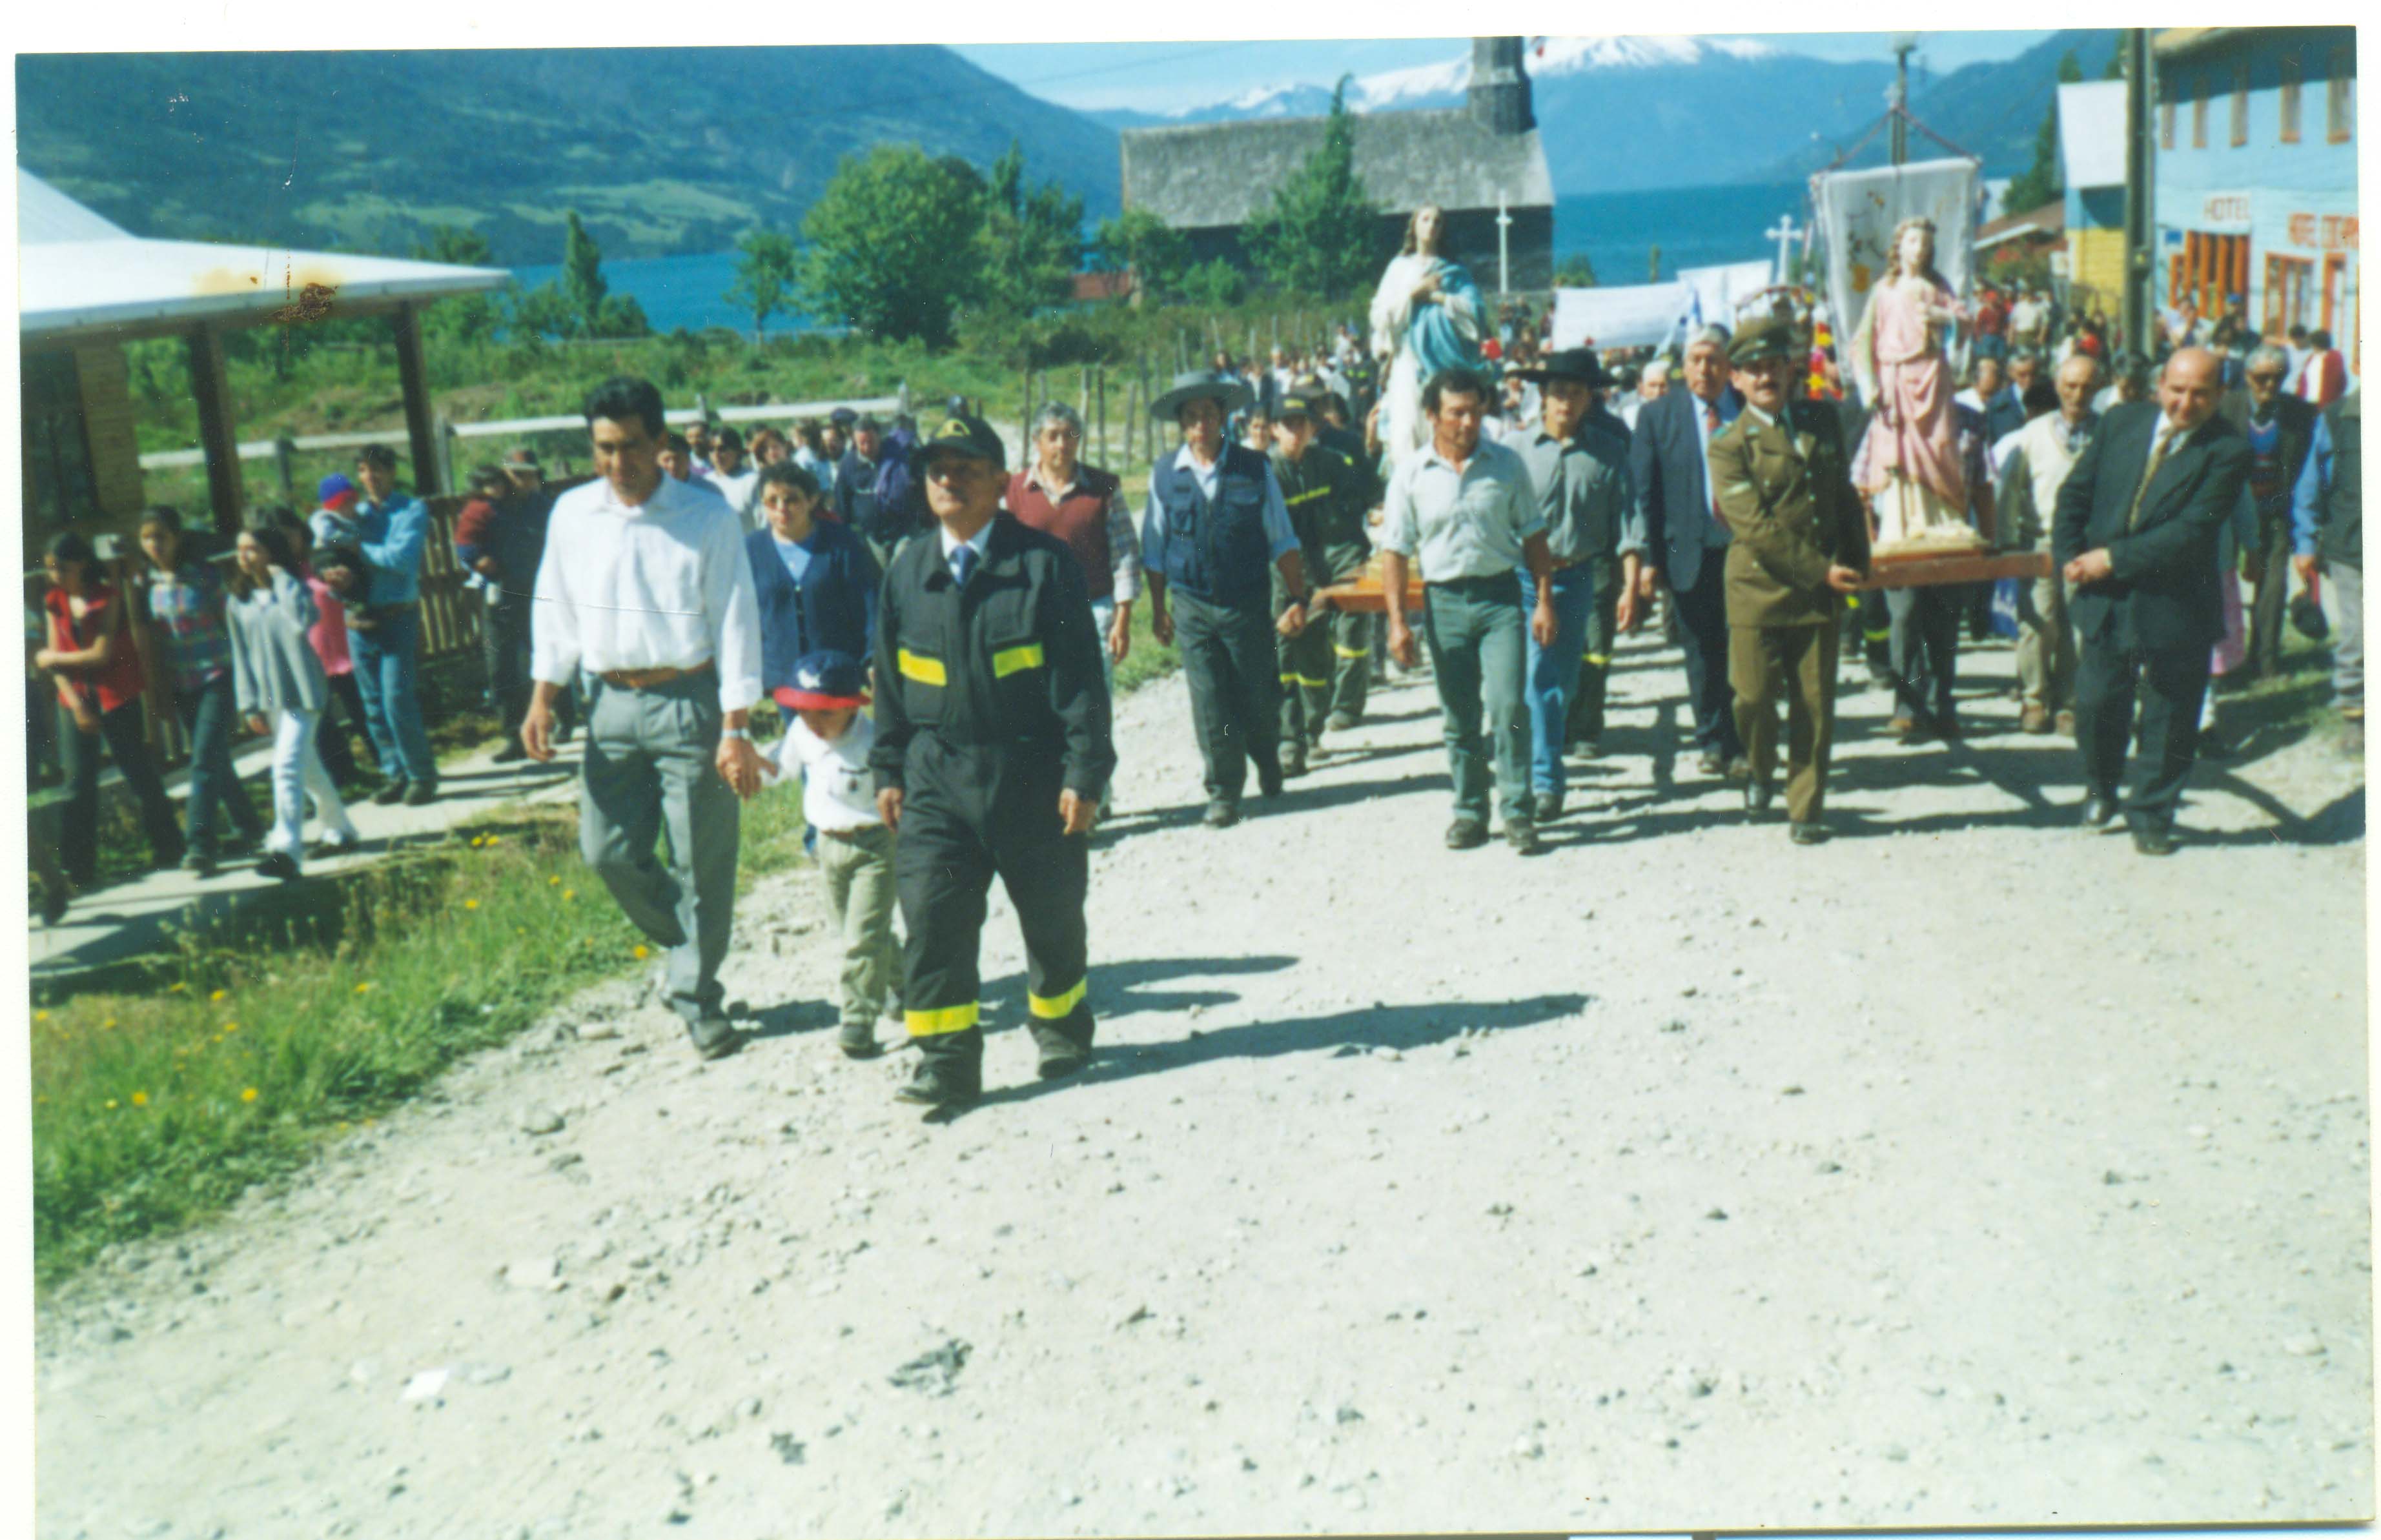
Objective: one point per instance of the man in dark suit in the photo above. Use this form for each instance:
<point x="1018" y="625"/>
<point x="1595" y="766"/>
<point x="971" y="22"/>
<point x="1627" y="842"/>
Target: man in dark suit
<point x="2138" y="519"/>
<point x="1685" y="538"/>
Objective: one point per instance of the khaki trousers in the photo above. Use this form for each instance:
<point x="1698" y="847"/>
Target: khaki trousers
<point x="1797" y="662"/>
<point x="2045" y="644"/>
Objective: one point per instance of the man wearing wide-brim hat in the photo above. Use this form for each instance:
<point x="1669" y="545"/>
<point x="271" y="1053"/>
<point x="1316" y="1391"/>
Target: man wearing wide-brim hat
<point x="1214" y="532"/>
<point x="1595" y="538"/>
<point x="1798" y="540"/>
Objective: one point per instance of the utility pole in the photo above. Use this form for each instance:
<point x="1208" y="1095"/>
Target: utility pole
<point x="2140" y="161"/>
<point x="1904" y="44"/>
<point x="1504" y="223"/>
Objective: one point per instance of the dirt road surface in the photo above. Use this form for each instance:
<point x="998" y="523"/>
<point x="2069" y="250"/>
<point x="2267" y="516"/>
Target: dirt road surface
<point x="1967" y="1170"/>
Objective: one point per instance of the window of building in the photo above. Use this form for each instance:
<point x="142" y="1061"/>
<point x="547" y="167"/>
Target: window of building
<point x="2290" y="294"/>
<point x="2166" y="113"/>
<point x="2210" y="270"/>
<point x="2340" y="113"/>
<point x="2241" y="104"/>
<point x="2291" y="71"/>
<point x="2199" y="113"/>
<point x="58" y="447"/>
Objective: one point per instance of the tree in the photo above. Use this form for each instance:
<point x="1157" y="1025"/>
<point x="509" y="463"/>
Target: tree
<point x="583" y="275"/>
<point x="1575" y="271"/>
<point x="542" y="311"/>
<point x="1215" y="284"/>
<point x="468" y="318"/>
<point x="765" y="273"/>
<point x="2039" y="184"/>
<point x="1137" y="241"/>
<point x="1032" y="239"/>
<point x="894" y="248"/>
<point x="1321" y="236"/>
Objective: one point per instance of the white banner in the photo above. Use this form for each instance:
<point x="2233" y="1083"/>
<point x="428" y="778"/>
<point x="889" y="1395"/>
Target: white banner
<point x="1721" y="289"/>
<point x="1857" y="212"/>
<point x="1636" y="315"/>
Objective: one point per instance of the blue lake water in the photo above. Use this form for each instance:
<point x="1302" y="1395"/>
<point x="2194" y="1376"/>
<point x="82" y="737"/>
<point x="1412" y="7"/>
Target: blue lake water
<point x="1694" y="227"/>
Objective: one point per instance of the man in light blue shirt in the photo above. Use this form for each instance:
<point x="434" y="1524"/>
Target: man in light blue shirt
<point x="1466" y="508"/>
<point x="385" y="638"/>
<point x="1215" y="529"/>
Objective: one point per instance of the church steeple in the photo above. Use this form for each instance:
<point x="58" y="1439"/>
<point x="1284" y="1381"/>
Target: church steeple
<point x="1499" y="96"/>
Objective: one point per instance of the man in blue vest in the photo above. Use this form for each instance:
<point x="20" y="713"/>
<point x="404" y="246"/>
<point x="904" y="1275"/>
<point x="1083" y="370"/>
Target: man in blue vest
<point x="1215" y="529"/>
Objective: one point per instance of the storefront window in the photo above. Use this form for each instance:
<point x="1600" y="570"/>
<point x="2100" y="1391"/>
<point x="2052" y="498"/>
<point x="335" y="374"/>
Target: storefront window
<point x="2290" y="294"/>
<point x="58" y="449"/>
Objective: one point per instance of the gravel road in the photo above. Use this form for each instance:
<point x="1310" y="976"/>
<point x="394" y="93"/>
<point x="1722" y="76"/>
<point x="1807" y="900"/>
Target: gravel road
<point x="1967" y="1170"/>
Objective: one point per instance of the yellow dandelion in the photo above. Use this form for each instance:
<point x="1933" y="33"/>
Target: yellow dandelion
<point x="231" y="1026"/>
<point x="475" y="841"/>
<point x="249" y="1095"/>
<point x="569" y="893"/>
<point x="639" y="954"/>
<point x="554" y="882"/>
<point x="108" y="1026"/>
<point x="494" y="838"/>
<point x="111" y="1104"/>
<point x="177" y="988"/>
<point x="41" y="1015"/>
<point x="470" y="903"/>
<point x="365" y="987"/>
<point x="220" y="995"/>
<point x="140" y="1098"/>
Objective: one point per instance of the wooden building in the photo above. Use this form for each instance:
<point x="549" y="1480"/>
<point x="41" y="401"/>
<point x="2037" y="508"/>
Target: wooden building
<point x="1478" y="162"/>
<point x="87" y="286"/>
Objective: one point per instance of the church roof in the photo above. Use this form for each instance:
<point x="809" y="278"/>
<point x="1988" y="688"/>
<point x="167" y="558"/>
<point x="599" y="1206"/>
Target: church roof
<point x="1224" y="174"/>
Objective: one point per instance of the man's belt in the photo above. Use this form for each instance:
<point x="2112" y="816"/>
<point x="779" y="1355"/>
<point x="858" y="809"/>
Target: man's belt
<point x="651" y="679"/>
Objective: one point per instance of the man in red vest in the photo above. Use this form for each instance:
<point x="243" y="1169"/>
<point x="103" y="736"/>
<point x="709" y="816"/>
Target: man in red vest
<point x="1084" y="508"/>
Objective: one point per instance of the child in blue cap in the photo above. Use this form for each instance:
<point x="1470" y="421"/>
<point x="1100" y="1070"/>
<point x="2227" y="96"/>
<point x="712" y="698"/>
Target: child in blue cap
<point x="827" y="748"/>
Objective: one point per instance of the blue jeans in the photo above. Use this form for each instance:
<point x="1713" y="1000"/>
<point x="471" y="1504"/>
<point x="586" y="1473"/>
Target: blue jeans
<point x="1553" y="675"/>
<point x="208" y="715"/>
<point x="387" y="660"/>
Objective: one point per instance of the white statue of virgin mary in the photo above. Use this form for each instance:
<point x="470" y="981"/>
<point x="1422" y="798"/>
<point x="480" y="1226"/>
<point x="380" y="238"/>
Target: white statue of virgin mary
<point x="1426" y="317"/>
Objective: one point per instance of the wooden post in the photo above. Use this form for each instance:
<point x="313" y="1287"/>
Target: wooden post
<point x="413" y="379"/>
<point x="215" y="440"/>
<point x="283" y="471"/>
<point x="442" y="434"/>
<point x="1103" y="414"/>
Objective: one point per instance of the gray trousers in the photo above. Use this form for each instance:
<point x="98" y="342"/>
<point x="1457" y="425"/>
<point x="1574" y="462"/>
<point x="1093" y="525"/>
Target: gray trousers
<point x="2343" y="594"/>
<point x="649" y="764"/>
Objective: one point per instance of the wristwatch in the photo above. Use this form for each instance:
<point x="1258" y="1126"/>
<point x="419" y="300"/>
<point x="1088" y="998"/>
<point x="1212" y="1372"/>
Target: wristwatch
<point x="741" y="735"/>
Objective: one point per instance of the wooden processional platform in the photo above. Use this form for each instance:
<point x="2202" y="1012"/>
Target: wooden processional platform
<point x="1363" y="595"/>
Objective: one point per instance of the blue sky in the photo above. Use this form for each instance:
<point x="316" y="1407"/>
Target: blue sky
<point x="1156" y="76"/>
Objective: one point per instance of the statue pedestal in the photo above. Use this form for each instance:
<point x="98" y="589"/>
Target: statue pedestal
<point x="1921" y="569"/>
<point x="1913" y="521"/>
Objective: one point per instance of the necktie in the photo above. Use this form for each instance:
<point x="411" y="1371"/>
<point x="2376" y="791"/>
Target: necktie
<point x="2149" y="474"/>
<point x="962" y="563"/>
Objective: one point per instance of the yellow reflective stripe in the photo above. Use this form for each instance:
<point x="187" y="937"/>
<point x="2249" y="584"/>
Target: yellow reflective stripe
<point x="1350" y="651"/>
<point x="1598" y="659"/>
<point x="1052" y="1008"/>
<point x="925" y="671"/>
<point x="934" y="1024"/>
<point x="1016" y="660"/>
<point x="1878" y="635"/>
<point x="1309" y="495"/>
<point x="1302" y="679"/>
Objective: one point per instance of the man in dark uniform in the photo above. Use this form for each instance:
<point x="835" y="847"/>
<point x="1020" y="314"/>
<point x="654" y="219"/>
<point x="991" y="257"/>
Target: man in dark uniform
<point x="1213" y="527"/>
<point x="1351" y="634"/>
<point x="2136" y="535"/>
<point x="1319" y="488"/>
<point x="1797" y="542"/>
<point x="991" y="749"/>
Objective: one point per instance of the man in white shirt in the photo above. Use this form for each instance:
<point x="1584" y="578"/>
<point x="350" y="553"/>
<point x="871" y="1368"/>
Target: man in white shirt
<point x="645" y="587"/>
<point x="737" y="480"/>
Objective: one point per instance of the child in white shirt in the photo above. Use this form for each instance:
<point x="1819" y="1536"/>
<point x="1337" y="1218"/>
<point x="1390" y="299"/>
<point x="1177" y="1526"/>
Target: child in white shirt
<point x="827" y="747"/>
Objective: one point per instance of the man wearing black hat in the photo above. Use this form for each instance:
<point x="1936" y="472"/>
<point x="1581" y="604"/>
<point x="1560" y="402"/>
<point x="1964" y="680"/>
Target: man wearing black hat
<point x="1319" y="488"/>
<point x="1213" y="531"/>
<point x="991" y="749"/>
<point x="1595" y="538"/>
<point x="1798" y="540"/>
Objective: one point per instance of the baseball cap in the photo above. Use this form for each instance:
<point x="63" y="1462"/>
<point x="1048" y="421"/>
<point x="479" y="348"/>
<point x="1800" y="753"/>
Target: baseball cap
<point x="822" y="680"/>
<point x="336" y="491"/>
<point x="964" y="435"/>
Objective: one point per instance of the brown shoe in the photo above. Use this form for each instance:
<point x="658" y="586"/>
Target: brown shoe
<point x="2066" y="720"/>
<point x="1902" y="728"/>
<point x="2036" y="719"/>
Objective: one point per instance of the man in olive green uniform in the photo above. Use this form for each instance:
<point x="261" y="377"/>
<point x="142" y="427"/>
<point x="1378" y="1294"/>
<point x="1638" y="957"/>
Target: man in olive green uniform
<point x="991" y="749"/>
<point x="1321" y="490"/>
<point x="1798" y="540"/>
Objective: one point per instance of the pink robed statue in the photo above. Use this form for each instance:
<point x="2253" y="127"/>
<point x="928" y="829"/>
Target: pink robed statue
<point x="1914" y="480"/>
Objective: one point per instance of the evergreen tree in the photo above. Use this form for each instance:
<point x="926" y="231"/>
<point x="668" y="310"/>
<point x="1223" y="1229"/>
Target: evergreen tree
<point x="1575" y="271"/>
<point x="583" y="275"/>
<point x="1032" y="238"/>
<point x="894" y="245"/>
<point x="2041" y="184"/>
<point x="467" y="318"/>
<point x="1322" y="237"/>
<point x="765" y="273"/>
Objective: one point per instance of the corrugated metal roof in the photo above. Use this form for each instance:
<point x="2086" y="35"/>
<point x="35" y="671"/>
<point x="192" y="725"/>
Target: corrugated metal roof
<point x="45" y="215"/>
<point x="1224" y="174"/>
<point x="86" y="275"/>
<point x="2091" y="134"/>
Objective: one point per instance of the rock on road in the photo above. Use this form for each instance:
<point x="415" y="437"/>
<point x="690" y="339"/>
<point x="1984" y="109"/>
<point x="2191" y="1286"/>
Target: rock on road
<point x="1967" y="1170"/>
